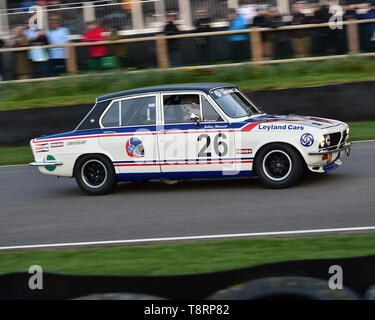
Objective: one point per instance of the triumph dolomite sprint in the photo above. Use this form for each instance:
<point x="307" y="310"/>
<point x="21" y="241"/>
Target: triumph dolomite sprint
<point x="187" y="131"/>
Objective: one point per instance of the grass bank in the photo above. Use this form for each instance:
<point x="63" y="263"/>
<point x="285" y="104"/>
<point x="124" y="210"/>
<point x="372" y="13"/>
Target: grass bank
<point x="185" y="258"/>
<point x="84" y="89"/>
<point x="19" y="155"/>
<point x="15" y="155"/>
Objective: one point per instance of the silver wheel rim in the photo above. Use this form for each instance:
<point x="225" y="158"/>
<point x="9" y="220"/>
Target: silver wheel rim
<point x="94" y="173"/>
<point x="277" y="161"/>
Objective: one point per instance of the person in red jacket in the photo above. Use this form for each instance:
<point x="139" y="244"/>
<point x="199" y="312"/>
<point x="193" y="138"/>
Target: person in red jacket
<point x="95" y="33"/>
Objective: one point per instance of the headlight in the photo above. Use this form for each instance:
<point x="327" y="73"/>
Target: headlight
<point x="325" y="141"/>
<point x="347" y="135"/>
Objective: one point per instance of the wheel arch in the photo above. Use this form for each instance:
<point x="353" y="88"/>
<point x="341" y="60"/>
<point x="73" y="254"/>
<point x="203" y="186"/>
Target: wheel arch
<point x="92" y="155"/>
<point x="278" y="142"/>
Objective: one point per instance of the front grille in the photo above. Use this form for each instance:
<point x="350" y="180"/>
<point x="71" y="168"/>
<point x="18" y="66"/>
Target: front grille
<point x="335" y="138"/>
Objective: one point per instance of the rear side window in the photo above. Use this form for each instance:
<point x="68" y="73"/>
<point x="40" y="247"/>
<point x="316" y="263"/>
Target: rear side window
<point x="138" y="111"/>
<point x="131" y="112"/>
<point x="112" y="116"/>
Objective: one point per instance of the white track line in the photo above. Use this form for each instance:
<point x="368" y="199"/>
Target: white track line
<point x="359" y="141"/>
<point x="14" y="165"/>
<point x="204" y="237"/>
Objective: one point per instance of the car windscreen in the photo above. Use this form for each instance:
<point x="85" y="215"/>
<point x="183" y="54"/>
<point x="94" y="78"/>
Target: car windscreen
<point x="233" y="103"/>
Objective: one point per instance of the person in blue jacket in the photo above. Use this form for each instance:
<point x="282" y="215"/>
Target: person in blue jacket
<point x="239" y="43"/>
<point x="368" y="29"/>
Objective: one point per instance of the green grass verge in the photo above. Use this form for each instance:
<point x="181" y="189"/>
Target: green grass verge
<point x="185" y="258"/>
<point x="15" y="155"/>
<point x="19" y="155"/>
<point x="362" y="130"/>
<point x="84" y="89"/>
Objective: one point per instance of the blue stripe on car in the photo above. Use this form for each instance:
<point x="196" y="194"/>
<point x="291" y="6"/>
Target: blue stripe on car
<point x="183" y="175"/>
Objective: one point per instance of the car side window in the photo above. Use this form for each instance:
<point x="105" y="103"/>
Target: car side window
<point x="138" y="111"/>
<point x="179" y="107"/>
<point x="112" y="116"/>
<point x="209" y="113"/>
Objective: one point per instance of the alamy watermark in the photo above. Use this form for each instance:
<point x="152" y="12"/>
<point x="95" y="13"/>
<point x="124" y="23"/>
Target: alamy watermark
<point x="335" y="22"/>
<point x="36" y="280"/>
<point x="36" y="20"/>
<point x="336" y="280"/>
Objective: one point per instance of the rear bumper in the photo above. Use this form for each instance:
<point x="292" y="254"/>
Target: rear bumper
<point x="45" y="163"/>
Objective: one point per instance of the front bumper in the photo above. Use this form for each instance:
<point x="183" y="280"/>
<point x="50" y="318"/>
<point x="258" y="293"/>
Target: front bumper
<point x="332" y="165"/>
<point x="346" y="147"/>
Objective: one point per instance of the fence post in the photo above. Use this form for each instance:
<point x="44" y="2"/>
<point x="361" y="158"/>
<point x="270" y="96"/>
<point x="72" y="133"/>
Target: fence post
<point x="353" y="38"/>
<point x="185" y="13"/>
<point x="160" y="11"/>
<point x="71" y="60"/>
<point x="232" y="4"/>
<point x="256" y="46"/>
<point x="162" y="51"/>
<point x="137" y="15"/>
<point x="283" y="6"/>
<point x="45" y="18"/>
<point x="4" y="23"/>
<point x="88" y="11"/>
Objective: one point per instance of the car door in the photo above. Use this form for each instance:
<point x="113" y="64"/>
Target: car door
<point x="129" y="136"/>
<point x="191" y="149"/>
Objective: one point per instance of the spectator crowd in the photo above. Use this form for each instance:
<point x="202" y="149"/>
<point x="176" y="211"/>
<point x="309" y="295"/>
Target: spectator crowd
<point x="45" y="62"/>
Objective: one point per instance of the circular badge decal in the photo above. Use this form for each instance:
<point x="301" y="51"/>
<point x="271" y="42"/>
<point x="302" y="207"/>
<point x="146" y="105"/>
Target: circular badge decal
<point x="50" y="168"/>
<point x="307" y="139"/>
<point x="134" y="148"/>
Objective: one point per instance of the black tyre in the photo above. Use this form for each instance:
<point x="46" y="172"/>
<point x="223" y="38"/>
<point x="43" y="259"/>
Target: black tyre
<point x="95" y="174"/>
<point x="278" y="165"/>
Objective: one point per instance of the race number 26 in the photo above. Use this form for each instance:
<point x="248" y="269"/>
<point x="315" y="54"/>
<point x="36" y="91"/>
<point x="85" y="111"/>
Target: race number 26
<point x="220" y="147"/>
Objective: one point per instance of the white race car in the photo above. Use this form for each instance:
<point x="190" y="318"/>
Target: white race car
<point x="186" y="131"/>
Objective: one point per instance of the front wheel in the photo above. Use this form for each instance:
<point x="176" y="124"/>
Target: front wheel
<point x="95" y="174"/>
<point x="278" y="166"/>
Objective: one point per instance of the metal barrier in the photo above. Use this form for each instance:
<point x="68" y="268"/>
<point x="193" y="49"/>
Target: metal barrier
<point x="142" y="15"/>
<point x="256" y="51"/>
<point x="138" y="16"/>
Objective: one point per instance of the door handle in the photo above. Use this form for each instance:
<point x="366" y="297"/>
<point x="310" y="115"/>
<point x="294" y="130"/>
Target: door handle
<point x="109" y="132"/>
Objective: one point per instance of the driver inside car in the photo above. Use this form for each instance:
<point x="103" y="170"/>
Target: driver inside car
<point x="189" y="104"/>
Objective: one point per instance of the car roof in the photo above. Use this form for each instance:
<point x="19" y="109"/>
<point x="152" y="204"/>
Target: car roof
<point x="205" y="87"/>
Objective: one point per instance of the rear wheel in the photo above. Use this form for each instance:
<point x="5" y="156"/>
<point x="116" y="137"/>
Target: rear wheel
<point x="95" y="174"/>
<point x="278" y="166"/>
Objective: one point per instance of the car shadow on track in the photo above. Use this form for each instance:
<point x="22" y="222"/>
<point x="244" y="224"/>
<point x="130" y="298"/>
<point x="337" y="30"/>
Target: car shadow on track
<point x="229" y="184"/>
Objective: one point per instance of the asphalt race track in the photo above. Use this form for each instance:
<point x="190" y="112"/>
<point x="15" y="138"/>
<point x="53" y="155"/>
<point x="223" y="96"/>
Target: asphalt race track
<point x="40" y="209"/>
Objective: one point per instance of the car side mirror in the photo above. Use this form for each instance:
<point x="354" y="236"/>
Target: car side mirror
<point x="195" y="118"/>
